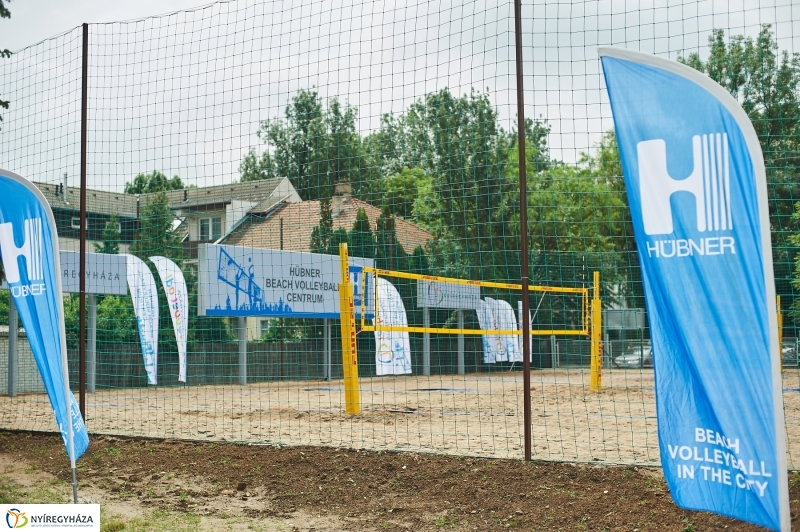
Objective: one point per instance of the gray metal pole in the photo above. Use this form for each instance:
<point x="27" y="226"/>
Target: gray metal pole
<point x="426" y="342"/>
<point x="91" y="348"/>
<point x="13" y="364"/>
<point x="553" y="352"/>
<point x="606" y="349"/>
<point x="461" y="369"/>
<point x="242" y="350"/>
<point x="326" y="370"/>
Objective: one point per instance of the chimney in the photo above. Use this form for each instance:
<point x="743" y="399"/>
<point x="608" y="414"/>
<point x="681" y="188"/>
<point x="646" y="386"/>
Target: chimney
<point x="341" y="192"/>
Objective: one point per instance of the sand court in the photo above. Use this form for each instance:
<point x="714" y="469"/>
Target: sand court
<point x="474" y="414"/>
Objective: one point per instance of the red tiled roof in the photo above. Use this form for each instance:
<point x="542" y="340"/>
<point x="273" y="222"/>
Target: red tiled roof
<point x="299" y="220"/>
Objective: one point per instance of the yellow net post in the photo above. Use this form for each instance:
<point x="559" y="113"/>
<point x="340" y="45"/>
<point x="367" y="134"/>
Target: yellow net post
<point x="347" y="313"/>
<point x="780" y="332"/>
<point x="596" y="331"/>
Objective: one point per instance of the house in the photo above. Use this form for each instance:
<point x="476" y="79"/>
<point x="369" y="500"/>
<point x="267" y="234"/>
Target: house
<point x="203" y="215"/>
<point x="208" y="214"/>
<point x="289" y="226"/>
<point x="100" y="207"/>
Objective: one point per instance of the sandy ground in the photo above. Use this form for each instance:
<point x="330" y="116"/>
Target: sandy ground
<point x="477" y="414"/>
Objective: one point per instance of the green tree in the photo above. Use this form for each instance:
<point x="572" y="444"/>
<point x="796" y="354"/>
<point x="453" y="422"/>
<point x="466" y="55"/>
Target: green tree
<point x="111" y="237"/>
<point x="389" y="253"/>
<point x="362" y="240"/>
<point x="154" y="182"/>
<point x="314" y="146"/>
<point x="321" y="234"/>
<point x="766" y="82"/>
<point x="156" y="235"/>
<point x="338" y="237"/>
<point x="400" y="190"/>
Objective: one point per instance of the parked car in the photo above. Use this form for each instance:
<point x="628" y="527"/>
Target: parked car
<point x="636" y="355"/>
<point x="789" y="355"/>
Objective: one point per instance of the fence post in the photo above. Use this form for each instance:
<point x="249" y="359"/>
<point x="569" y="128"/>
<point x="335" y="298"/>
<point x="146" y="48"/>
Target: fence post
<point x="13" y="359"/>
<point x="426" y="342"/>
<point x="347" y="313"/>
<point x="461" y="369"/>
<point x="597" y="325"/>
<point x="780" y="332"/>
<point x="553" y="352"/>
<point x="91" y="349"/>
<point x="242" y="350"/>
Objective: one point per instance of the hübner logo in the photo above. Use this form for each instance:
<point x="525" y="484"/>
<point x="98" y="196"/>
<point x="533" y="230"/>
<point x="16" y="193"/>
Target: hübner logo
<point x="709" y="182"/>
<point x="32" y="251"/>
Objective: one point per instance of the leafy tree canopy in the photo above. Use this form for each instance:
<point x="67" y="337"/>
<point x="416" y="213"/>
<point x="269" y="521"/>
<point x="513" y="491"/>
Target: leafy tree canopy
<point x="154" y="182"/>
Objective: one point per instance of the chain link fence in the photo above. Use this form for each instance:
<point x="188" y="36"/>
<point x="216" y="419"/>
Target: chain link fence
<point x="294" y="127"/>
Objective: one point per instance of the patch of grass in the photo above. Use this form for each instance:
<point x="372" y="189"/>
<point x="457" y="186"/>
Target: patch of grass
<point x="113" y="451"/>
<point x="442" y="521"/>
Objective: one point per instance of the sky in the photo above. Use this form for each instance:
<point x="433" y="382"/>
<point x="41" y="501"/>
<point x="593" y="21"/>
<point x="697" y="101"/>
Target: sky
<point x="185" y="93"/>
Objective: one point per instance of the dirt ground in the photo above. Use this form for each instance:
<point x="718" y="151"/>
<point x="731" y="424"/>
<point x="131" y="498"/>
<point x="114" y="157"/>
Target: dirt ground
<point x="476" y="415"/>
<point x="177" y="485"/>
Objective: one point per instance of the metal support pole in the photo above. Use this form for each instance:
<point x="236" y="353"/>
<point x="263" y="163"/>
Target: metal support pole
<point x="82" y="268"/>
<point x="242" y="350"/>
<point x="780" y="331"/>
<point x="553" y="352"/>
<point x="13" y="359"/>
<point x="597" y="327"/>
<point x="426" y="342"/>
<point x="91" y="349"/>
<point x="326" y="370"/>
<point x="461" y="369"/>
<point x="523" y="225"/>
<point x="347" y="312"/>
<point x="606" y="358"/>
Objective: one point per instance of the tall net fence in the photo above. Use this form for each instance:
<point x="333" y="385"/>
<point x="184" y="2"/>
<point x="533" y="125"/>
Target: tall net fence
<point x="244" y="141"/>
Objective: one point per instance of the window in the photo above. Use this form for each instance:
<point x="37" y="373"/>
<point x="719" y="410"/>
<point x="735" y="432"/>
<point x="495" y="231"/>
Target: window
<point x="209" y="229"/>
<point x="75" y="222"/>
<point x="203" y="232"/>
<point x="216" y="228"/>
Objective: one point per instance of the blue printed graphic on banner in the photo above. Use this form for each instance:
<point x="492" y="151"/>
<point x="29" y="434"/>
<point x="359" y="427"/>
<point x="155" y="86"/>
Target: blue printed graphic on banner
<point x="241" y="281"/>
<point x="703" y="243"/>
<point x="29" y="248"/>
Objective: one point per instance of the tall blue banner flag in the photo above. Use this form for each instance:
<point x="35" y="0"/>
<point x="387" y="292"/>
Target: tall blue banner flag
<point x="697" y="190"/>
<point x="29" y="250"/>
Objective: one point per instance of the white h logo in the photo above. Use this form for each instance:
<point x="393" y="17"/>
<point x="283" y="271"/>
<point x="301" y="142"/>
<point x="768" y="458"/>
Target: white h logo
<point x="709" y="182"/>
<point x="31" y="250"/>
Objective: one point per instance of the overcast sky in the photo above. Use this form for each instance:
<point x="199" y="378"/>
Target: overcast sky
<point x="35" y="20"/>
<point x="184" y="93"/>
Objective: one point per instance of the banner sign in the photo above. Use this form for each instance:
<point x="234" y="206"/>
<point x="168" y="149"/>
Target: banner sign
<point x="436" y="294"/>
<point x="696" y="184"/>
<point x="105" y="274"/>
<point x="507" y="321"/>
<point x="494" y="346"/>
<point x="145" y="306"/>
<point x="393" y="356"/>
<point x="28" y="232"/>
<point x="174" y="285"/>
<point x="242" y="281"/>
